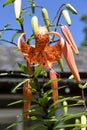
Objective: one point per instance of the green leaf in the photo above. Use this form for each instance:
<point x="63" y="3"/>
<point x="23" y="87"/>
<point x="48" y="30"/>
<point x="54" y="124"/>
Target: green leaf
<point x="44" y="73"/>
<point x="6" y="25"/>
<point x="21" y="83"/>
<point x="7" y="2"/>
<point x="15" y="34"/>
<point x="16" y="102"/>
<point x="20" y="20"/>
<point x="26" y="12"/>
<point x="82" y="86"/>
<point x="50" y="81"/>
<point x="38" y="70"/>
<point x="23" y="68"/>
<point x="37" y="126"/>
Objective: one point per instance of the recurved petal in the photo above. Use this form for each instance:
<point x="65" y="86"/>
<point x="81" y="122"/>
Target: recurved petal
<point x="68" y="55"/>
<point x="59" y="36"/>
<point x="27" y="50"/>
<point x="23" y="46"/>
<point x="68" y="36"/>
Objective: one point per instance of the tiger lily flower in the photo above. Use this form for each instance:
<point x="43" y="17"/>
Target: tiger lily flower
<point x="27" y="94"/>
<point x="45" y="54"/>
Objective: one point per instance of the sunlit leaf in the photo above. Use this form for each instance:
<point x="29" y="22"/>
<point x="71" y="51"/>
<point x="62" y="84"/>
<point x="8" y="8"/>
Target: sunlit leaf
<point x="16" y="102"/>
<point x="23" y="68"/>
<point x="50" y="81"/>
<point x="6" y="25"/>
<point x="25" y="11"/>
<point x="7" y="2"/>
<point x="38" y="70"/>
<point x="20" y="20"/>
<point x="15" y="34"/>
<point x="21" y="83"/>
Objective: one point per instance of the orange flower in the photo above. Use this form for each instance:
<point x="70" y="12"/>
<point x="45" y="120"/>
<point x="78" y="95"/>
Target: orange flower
<point x="27" y="94"/>
<point x="43" y="53"/>
<point x="54" y="85"/>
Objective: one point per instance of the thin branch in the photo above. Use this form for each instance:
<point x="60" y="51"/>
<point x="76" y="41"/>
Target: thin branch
<point x="10" y="29"/>
<point x="58" y="12"/>
<point x="83" y="97"/>
<point x="1" y="39"/>
<point x="36" y="6"/>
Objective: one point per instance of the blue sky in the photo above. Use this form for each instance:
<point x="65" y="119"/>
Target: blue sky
<point x="7" y="16"/>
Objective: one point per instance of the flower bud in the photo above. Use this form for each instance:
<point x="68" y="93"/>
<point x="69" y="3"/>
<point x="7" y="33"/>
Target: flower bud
<point x="17" y="8"/>
<point x="65" y="107"/>
<point x="69" y="38"/>
<point x="34" y="24"/>
<point x="54" y="86"/>
<point x="69" y="57"/>
<point x="66" y="16"/>
<point x="46" y="18"/>
<point x="77" y="121"/>
<point x="83" y="121"/>
<point x="27" y="95"/>
<point x="71" y="8"/>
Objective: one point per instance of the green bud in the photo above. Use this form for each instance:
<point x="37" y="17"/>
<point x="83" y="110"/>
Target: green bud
<point x="71" y="8"/>
<point x="77" y="121"/>
<point x="60" y="62"/>
<point x="71" y="76"/>
<point x="34" y="24"/>
<point x="65" y="107"/>
<point x="46" y="18"/>
<point x="66" y="16"/>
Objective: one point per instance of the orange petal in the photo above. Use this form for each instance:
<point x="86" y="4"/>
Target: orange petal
<point x="27" y="94"/>
<point x="23" y="45"/>
<point x="59" y="36"/>
<point x="68" y="54"/>
<point x="42" y="38"/>
<point x="26" y="49"/>
<point x="68" y="36"/>
<point x="54" y="85"/>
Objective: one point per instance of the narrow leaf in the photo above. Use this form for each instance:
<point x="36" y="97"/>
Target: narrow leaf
<point x="21" y="83"/>
<point x="23" y="68"/>
<point x="15" y="34"/>
<point x="38" y="70"/>
<point x="7" y="2"/>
